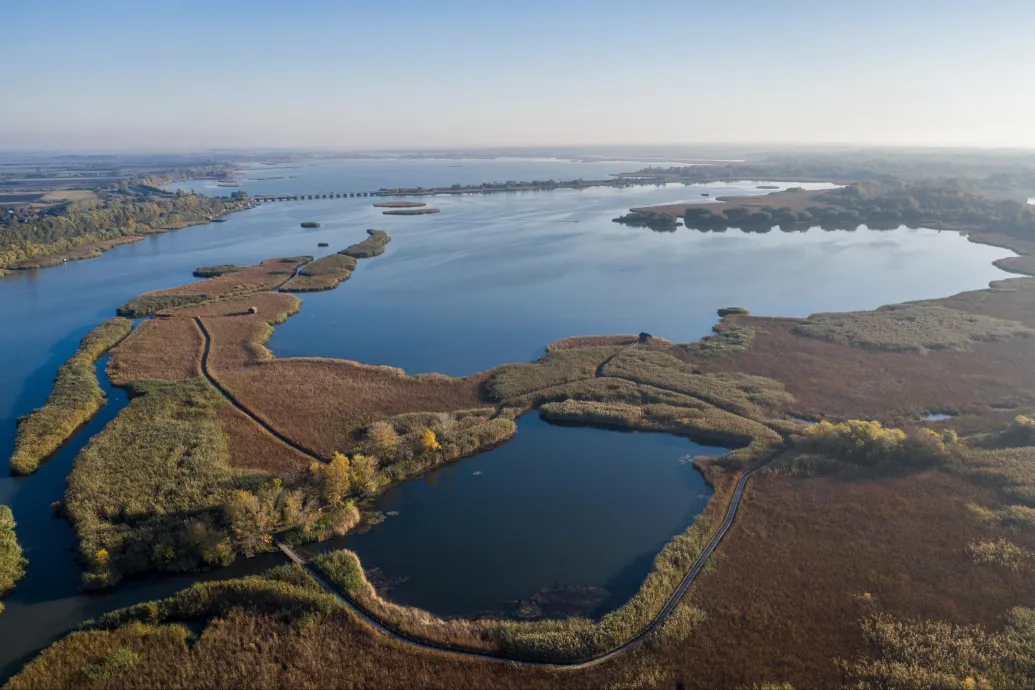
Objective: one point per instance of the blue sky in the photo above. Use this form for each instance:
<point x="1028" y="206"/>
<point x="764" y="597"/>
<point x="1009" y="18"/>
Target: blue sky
<point x="352" y="75"/>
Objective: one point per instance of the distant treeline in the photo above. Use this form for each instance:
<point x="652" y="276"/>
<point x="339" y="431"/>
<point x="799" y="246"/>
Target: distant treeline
<point x="509" y="184"/>
<point x="937" y="203"/>
<point x="990" y="170"/>
<point x="115" y="215"/>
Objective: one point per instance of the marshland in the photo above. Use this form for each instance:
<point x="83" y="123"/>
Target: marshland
<point x="486" y="282"/>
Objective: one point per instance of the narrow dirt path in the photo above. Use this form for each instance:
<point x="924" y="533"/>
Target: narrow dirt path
<point x="389" y="630"/>
<point x="206" y="336"/>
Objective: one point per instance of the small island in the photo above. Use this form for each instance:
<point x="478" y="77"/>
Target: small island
<point x="371" y="246"/>
<point x="399" y="204"/>
<point x="310" y="224"/>
<point x="410" y="211"/>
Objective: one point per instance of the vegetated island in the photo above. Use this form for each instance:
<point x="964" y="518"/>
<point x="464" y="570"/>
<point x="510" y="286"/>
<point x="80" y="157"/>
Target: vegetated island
<point x="73" y="402"/>
<point x="374" y="245"/>
<point x="326" y="273"/>
<point x="946" y="204"/>
<point x="655" y="220"/>
<point x="399" y="204"/>
<point x="410" y="211"/>
<point x="252" y="446"/>
<point x="310" y="224"/>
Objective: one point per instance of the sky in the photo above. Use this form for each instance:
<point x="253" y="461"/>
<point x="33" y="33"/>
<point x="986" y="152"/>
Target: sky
<point x="387" y="74"/>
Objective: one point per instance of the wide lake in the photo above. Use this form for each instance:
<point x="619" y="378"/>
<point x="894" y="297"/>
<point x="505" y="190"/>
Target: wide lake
<point x="490" y="279"/>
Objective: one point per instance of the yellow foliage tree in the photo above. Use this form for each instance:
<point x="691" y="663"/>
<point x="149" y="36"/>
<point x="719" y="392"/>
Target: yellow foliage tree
<point x="428" y="441"/>
<point x="336" y="478"/>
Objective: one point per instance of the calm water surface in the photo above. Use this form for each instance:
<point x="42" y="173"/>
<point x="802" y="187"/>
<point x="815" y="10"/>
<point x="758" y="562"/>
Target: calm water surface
<point x="491" y="279"/>
<point x="503" y="525"/>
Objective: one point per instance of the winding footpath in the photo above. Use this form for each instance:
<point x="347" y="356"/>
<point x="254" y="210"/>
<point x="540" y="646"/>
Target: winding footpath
<point x="238" y="405"/>
<point x="389" y="630"/>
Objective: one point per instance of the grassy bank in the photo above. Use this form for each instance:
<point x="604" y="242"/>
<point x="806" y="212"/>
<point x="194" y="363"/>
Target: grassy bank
<point x="275" y="630"/>
<point x="326" y="273"/>
<point x="74" y="400"/>
<point x="269" y="275"/>
<point x="549" y="640"/>
<point x="88" y="250"/>
<point x="12" y="563"/>
<point x="372" y="246"/>
<point x="214" y="271"/>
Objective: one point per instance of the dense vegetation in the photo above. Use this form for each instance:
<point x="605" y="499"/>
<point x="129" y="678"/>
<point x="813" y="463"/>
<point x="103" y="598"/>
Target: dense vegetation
<point x="374" y="245"/>
<point x="911" y="328"/>
<point x="934" y="654"/>
<point x="213" y="271"/>
<point x="939" y="203"/>
<point x="12" y="563"/>
<point x="117" y="215"/>
<point x="326" y="273"/>
<point x="74" y="400"/>
<point x="649" y="219"/>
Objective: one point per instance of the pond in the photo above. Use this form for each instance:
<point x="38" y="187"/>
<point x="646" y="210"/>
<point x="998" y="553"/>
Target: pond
<point x="554" y="508"/>
<point x="490" y="279"/>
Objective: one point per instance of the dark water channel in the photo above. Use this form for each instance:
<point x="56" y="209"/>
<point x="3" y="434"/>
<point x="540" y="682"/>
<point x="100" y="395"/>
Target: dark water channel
<point x="491" y="279"/>
<point x="557" y="506"/>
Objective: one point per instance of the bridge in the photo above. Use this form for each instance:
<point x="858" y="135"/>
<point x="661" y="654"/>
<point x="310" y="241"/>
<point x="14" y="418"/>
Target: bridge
<point x="260" y="198"/>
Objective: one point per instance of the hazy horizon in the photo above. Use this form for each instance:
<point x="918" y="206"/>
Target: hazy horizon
<point x="190" y="76"/>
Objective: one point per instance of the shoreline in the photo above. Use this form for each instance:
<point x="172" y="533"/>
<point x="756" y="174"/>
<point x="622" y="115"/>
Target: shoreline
<point x="990" y="239"/>
<point x="97" y="248"/>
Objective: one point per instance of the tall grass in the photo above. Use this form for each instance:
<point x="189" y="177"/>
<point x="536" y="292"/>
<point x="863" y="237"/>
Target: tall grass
<point x="749" y="396"/>
<point x="934" y="654"/>
<point x="12" y="563"/>
<point x="74" y="400"/>
<point x="554" y="368"/>
<point x="914" y="328"/>
<point x="372" y="246"/>
<point x="326" y="273"/>
<point x="139" y="486"/>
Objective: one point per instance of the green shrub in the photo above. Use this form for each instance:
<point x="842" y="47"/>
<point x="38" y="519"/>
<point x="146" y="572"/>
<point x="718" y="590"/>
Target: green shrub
<point x="214" y="271"/>
<point x="1000" y="552"/>
<point x="115" y="663"/>
<point x="870" y="444"/>
<point x="342" y="568"/>
<point x="148" y="304"/>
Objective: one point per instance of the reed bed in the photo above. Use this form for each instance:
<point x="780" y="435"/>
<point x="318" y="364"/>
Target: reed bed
<point x="74" y="400"/>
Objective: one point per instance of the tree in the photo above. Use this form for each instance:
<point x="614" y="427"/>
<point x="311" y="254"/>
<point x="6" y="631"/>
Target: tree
<point x="364" y="474"/>
<point x="337" y="476"/>
<point x="428" y="441"/>
<point x="384" y="441"/>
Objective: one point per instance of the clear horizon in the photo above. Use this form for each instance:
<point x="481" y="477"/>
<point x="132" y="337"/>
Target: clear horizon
<point x="365" y="76"/>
